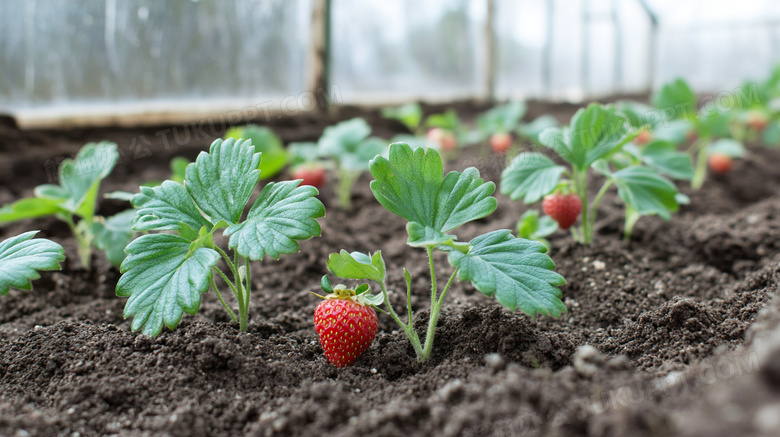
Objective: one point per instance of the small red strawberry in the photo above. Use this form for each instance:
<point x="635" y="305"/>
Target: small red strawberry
<point x="443" y="138"/>
<point x="720" y="163"/>
<point x="312" y="174"/>
<point x="757" y="120"/>
<point x="346" y="327"/>
<point x="644" y="137"/>
<point x="563" y="208"/>
<point x="500" y="142"/>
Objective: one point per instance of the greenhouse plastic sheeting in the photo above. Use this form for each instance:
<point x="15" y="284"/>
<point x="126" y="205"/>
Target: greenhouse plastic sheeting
<point x="77" y="57"/>
<point x="174" y="53"/>
<point x="406" y="49"/>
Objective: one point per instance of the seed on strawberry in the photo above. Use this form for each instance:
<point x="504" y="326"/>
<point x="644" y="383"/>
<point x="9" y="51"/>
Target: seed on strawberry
<point x="346" y="327"/>
<point x="563" y="208"/>
<point x="720" y="163"/>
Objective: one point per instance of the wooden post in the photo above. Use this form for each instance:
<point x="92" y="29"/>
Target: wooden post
<point x="490" y="54"/>
<point x="318" y="81"/>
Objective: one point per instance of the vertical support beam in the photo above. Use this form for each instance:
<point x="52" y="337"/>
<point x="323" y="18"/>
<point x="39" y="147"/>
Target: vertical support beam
<point x="318" y="81"/>
<point x="548" y="44"/>
<point x="585" y="72"/>
<point x="619" y="83"/>
<point x="652" y="46"/>
<point x="490" y="53"/>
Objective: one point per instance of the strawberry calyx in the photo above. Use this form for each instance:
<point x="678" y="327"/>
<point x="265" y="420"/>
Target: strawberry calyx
<point x="360" y="294"/>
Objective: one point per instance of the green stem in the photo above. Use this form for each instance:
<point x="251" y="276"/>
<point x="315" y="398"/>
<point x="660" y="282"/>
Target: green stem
<point x="433" y="276"/>
<point x="580" y="187"/>
<point x="248" y="280"/>
<point x="594" y="207"/>
<point x="631" y="218"/>
<point x="242" y="296"/>
<point x="83" y="240"/>
<point x="344" y="188"/>
<point x="700" y="173"/>
<point x="434" y="320"/>
<point x="237" y="287"/>
<point x="408" y="328"/>
<point x="221" y="300"/>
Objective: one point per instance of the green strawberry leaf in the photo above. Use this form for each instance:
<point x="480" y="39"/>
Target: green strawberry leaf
<point x="645" y="191"/>
<point x="80" y="179"/>
<point x="409" y="115"/>
<point x="533" y="227"/>
<point x="301" y="153"/>
<point x="29" y="208"/>
<point x="222" y="180"/>
<point x="113" y="234"/>
<point x="502" y="119"/>
<point x="674" y="131"/>
<point x="595" y="133"/>
<point x="533" y="129"/>
<point x="343" y="138"/>
<point x="713" y="123"/>
<point x="357" y="265"/>
<point x="771" y="135"/>
<point x="637" y="114"/>
<point x="530" y="176"/>
<point x="422" y="236"/>
<point x="411" y="184"/>
<point x="664" y="157"/>
<point x="448" y="120"/>
<point x="282" y="215"/>
<point x="516" y="271"/>
<point x="166" y="207"/>
<point x="163" y="279"/>
<point x="728" y="147"/>
<point x="21" y="258"/>
<point x="266" y="143"/>
<point x="358" y="161"/>
<point x="676" y="100"/>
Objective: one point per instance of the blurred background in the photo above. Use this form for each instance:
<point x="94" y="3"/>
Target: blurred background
<point x="107" y="59"/>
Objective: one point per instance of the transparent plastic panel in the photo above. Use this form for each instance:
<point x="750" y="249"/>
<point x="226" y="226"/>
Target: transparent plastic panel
<point x="594" y="48"/>
<point x="716" y="44"/>
<point x="63" y="52"/>
<point x="388" y="51"/>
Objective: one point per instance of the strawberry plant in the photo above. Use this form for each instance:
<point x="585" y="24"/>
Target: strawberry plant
<point x="74" y="201"/>
<point x="594" y="141"/>
<point x="164" y="274"/>
<point x="21" y="257"/>
<point x="266" y="142"/>
<point x="679" y="105"/>
<point x="411" y="184"/>
<point x="350" y="148"/>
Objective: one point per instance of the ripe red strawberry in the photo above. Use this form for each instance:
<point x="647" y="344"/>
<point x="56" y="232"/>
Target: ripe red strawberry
<point x="720" y="163"/>
<point x="346" y="328"/>
<point x="563" y="208"/>
<point x="312" y="174"/>
<point x="644" y="137"/>
<point x="500" y="142"/>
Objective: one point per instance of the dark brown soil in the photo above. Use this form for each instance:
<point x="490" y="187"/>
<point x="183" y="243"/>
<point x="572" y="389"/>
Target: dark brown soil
<point x="663" y="337"/>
